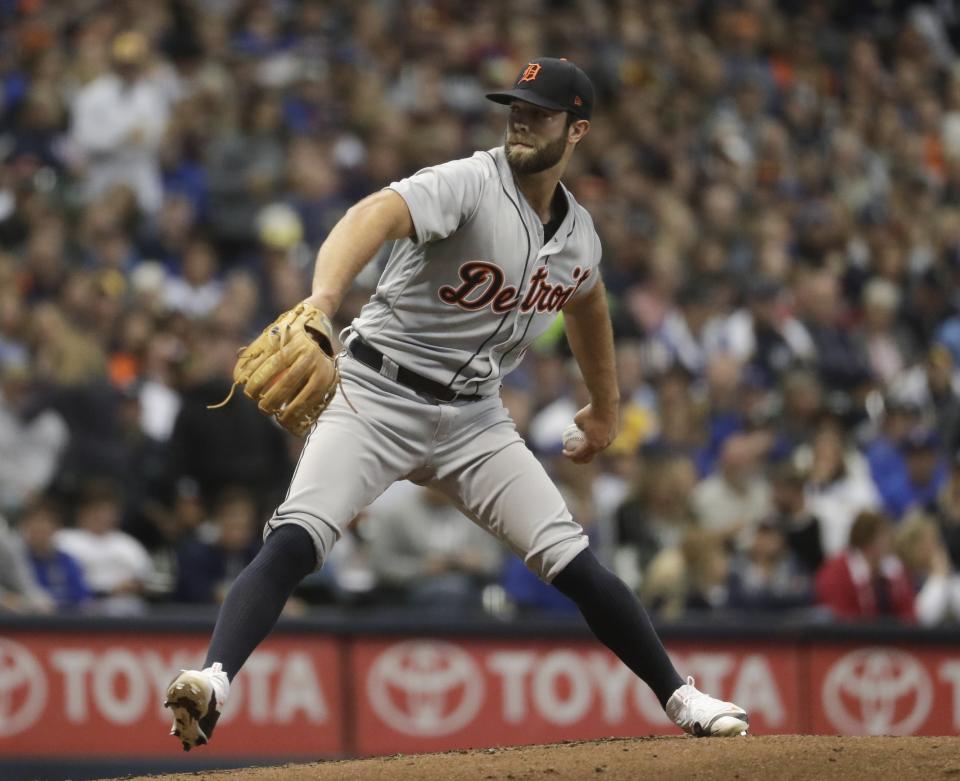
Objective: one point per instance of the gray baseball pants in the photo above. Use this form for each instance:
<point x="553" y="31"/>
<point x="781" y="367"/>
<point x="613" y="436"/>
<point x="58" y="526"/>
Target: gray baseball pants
<point x="470" y="451"/>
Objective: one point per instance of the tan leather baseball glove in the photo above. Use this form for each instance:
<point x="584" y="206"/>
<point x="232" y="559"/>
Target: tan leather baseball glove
<point x="290" y="369"/>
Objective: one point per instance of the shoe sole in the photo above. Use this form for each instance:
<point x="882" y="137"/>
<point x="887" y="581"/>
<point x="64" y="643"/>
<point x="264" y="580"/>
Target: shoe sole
<point x="726" y="726"/>
<point x="187" y="698"/>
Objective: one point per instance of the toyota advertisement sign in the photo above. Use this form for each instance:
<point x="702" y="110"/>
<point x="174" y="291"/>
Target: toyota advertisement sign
<point x="101" y="696"/>
<point x="429" y="695"/>
<point x="885" y="691"/>
<point x="89" y="695"/>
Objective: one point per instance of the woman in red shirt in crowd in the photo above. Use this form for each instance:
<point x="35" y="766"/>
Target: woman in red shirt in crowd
<point x="867" y="580"/>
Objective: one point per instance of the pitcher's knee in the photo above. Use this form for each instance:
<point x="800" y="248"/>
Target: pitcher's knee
<point x="548" y="562"/>
<point x="322" y="535"/>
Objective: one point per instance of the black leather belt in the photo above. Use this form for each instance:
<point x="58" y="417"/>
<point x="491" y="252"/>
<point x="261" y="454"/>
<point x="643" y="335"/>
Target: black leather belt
<point x="372" y="357"/>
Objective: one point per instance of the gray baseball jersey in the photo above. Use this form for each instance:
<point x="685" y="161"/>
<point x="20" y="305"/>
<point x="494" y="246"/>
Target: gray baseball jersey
<point x="462" y="302"/>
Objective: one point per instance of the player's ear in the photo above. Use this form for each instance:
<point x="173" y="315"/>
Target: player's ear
<point x="578" y="130"/>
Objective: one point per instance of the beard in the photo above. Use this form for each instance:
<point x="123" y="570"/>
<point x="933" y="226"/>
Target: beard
<point x="537" y="159"/>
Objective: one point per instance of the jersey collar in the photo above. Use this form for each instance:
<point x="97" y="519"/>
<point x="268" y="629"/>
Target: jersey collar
<point x="531" y="217"/>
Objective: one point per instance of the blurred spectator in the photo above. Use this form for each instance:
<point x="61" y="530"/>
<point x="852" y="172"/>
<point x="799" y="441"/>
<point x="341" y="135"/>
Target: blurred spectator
<point x="763" y="333"/>
<point x="767" y="575"/>
<point x="726" y="401"/>
<point x="207" y="567"/>
<point x="867" y="580"/>
<point x="841" y="363"/>
<point x="934" y="385"/>
<point x="802" y="408"/>
<point x="119" y="120"/>
<point x="37" y="143"/>
<point x="64" y="353"/>
<point x="156" y="385"/>
<point x="683" y="332"/>
<point x="166" y="240"/>
<point x="793" y="519"/>
<point x="147" y="487"/>
<point x="693" y="576"/>
<point x="679" y="419"/>
<point x="926" y="471"/>
<point x="889" y="346"/>
<point x="885" y="453"/>
<point x="735" y="499"/>
<point x="95" y="448"/>
<point x="429" y="554"/>
<point x="197" y="292"/>
<point x="280" y="260"/>
<point x="237" y="445"/>
<point x="13" y="317"/>
<point x="161" y="526"/>
<point x="44" y="259"/>
<point x="948" y="511"/>
<point x="19" y="590"/>
<point x="919" y="546"/>
<point x="316" y="188"/>
<point x="57" y="573"/>
<point x="245" y="166"/>
<point x="240" y="308"/>
<point x="655" y="515"/>
<point x="838" y="485"/>
<point x="115" y="566"/>
<point x="30" y="444"/>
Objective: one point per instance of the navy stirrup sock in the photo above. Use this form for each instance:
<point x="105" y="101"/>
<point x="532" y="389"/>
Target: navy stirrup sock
<point x="258" y="595"/>
<point x="619" y="621"/>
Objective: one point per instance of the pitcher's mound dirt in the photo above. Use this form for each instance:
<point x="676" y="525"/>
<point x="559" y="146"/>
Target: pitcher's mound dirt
<point x="768" y="758"/>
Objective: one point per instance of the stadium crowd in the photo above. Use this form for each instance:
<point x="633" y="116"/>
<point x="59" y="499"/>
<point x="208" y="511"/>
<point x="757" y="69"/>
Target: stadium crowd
<point x="777" y="189"/>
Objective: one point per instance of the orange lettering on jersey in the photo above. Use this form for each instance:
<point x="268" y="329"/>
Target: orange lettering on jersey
<point x="530" y="73"/>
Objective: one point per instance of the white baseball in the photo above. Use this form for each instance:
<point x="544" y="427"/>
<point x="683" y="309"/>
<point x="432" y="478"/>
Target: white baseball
<point x="573" y="437"/>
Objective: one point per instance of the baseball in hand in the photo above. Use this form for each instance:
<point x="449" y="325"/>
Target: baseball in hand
<point x="573" y="437"/>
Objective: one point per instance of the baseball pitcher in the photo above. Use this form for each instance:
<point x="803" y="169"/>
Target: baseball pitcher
<point x="487" y="250"/>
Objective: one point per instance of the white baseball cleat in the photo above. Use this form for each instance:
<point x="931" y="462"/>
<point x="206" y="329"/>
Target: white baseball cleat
<point x="704" y="716"/>
<point x="196" y="698"/>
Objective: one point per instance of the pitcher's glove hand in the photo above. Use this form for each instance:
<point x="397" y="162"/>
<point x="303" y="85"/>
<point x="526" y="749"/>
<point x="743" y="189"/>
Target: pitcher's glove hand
<point x="290" y="369"/>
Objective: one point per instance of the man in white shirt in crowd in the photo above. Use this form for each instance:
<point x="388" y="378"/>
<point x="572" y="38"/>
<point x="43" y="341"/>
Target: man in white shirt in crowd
<point x="118" y="122"/>
<point x="115" y="566"/>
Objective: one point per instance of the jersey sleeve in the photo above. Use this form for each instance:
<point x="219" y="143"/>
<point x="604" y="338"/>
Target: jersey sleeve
<point x="593" y="265"/>
<point x="441" y="198"/>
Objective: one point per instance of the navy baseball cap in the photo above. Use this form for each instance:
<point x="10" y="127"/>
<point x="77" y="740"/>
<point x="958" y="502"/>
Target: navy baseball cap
<point x="552" y="83"/>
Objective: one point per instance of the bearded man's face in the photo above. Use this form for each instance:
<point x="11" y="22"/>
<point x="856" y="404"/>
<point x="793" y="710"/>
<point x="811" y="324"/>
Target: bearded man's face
<point x="536" y="138"/>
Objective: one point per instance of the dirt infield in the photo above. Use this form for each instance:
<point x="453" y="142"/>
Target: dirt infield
<point x="775" y="758"/>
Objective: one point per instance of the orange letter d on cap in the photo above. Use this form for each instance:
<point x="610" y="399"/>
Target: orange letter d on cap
<point x="530" y="73"/>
